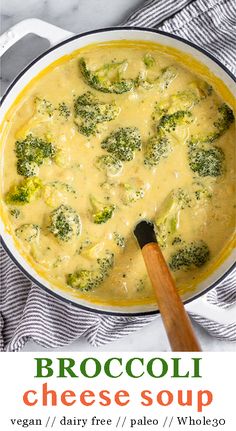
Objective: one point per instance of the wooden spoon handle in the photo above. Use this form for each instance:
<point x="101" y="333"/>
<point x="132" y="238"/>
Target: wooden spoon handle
<point x="176" y="321"/>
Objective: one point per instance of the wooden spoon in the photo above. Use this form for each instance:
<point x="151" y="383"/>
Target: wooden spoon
<point x="176" y="321"/>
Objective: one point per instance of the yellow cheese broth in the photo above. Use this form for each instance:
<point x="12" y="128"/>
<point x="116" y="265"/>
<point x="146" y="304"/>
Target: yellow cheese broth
<point x="211" y="220"/>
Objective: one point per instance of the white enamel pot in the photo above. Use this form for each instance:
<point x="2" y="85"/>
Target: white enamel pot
<point x="62" y="43"/>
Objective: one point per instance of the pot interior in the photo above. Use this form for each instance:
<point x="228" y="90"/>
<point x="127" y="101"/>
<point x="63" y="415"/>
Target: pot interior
<point x="65" y="48"/>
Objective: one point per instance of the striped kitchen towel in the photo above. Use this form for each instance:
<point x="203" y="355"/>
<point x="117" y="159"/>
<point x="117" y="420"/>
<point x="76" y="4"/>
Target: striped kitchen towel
<point x="29" y="312"/>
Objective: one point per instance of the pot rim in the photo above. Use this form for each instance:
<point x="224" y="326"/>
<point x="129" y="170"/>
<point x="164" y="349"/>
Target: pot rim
<point x="22" y="269"/>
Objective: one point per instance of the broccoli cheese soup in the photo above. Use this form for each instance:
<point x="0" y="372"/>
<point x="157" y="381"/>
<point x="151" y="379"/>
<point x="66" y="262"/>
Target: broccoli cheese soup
<point x="108" y="136"/>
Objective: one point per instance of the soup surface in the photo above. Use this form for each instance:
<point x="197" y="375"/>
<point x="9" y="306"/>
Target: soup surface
<point x="113" y="134"/>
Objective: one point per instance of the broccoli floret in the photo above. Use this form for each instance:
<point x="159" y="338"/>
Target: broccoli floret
<point x="59" y="185"/>
<point x="55" y="192"/>
<point x="39" y="125"/>
<point x="43" y="106"/>
<point x="132" y="195"/>
<point x="107" y="78"/>
<point x="64" y="223"/>
<point x="161" y="82"/>
<point x="90" y="111"/>
<point x="25" y="192"/>
<point x="109" y="164"/>
<point x="83" y="280"/>
<point x="62" y="158"/>
<point x="38" y="128"/>
<point x="167" y="217"/>
<point x="28" y="232"/>
<point x="89" y="107"/>
<point x="182" y="198"/>
<point x="105" y="264"/>
<point x="100" y="212"/>
<point x="64" y="110"/>
<point x="123" y="142"/>
<point x="157" y="148"/>
<point x="169" y="122"/>
<point x="166" y="222"/>
<point x="206" y="160"/>
<point x="201" y="191"/>
<point x="181" y="101"/>
<point x="86" y="280"/>
<point x="26" y="168"/>
<point x="31" y="153"/>
<point x="222" y="124"/>
<point x="198" y="90"/>
<point x="166" y="77"/>
<point x="225" y="120"/>
<point x="149" y="60"/>
<point x="104" y="215"/>
<point x="195" y="254"/>
<point x="119" y="239"/>
<point x="132" y="191"/>
<point x="204" y="89"/>
<point x="164" y="230"/>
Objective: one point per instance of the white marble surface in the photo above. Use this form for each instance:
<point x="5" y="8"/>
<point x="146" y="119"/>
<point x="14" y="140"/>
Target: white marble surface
<point x="78" y="16"/>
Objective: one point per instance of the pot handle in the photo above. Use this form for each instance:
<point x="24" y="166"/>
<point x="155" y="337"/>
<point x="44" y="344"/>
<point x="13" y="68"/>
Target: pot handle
<point x="203" y="308"/>
<point x="36" y="26"/>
